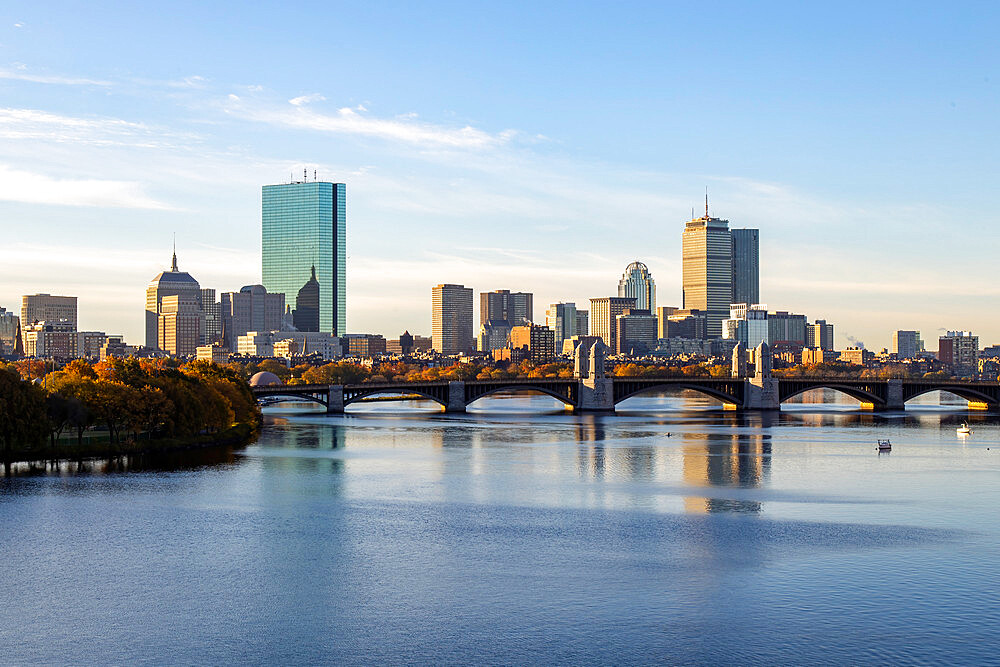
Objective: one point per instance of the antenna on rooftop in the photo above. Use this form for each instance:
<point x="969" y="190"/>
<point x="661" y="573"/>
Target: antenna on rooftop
<point x="305" y="175"/>
<point x="706" y="201"/>
<point x="314" y="175"/>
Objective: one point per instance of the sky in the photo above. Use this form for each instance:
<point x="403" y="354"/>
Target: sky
<point x="537" y="147"/>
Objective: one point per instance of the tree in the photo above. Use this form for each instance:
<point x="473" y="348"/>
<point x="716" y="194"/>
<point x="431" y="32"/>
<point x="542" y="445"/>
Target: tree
<point x="23" y="419"/>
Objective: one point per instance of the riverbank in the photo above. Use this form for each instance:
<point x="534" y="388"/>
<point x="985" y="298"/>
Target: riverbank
<point x="236" y="435"/>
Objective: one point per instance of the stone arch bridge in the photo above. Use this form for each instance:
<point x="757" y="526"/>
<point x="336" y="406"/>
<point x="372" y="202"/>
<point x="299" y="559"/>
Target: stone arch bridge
<point x="603" y="394"/>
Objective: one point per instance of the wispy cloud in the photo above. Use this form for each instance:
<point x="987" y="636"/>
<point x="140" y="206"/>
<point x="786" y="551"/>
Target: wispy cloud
<point x="358" y="121"/>
<point x="38" y="125"/>
<point x="22" y="74"/>
<point x="27" y="187"/>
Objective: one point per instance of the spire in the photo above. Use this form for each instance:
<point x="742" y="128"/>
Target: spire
<point x="706" y="201"/>
<point x="314" y="272"/>
<point x="173" y="264"/>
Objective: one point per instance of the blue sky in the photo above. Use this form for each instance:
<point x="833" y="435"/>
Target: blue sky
<point x="529" y="146"/>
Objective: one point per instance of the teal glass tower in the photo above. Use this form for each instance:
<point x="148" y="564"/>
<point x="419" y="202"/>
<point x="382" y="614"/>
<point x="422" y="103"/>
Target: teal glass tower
<point x="303" y="238"/>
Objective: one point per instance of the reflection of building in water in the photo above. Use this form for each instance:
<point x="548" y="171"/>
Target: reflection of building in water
<point x="591" y="455"/>
<point x="736" y="461"/>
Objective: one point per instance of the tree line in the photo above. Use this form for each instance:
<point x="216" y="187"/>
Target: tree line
<point x="132" y="399"/>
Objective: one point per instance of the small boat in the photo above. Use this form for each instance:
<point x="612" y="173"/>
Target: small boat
<point x="963" y="429"/>
<point x="884" y="446"/>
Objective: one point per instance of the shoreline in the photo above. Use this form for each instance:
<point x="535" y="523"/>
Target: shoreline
<point x="238" y="434"/>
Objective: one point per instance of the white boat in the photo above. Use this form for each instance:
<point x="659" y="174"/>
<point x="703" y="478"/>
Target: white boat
<point x="884" y="446"/>
<point x="963" y="430"/>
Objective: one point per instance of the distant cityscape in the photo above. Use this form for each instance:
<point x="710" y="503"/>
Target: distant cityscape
<point x="299" y="312"/>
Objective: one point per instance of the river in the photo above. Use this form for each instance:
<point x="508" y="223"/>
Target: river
<point x="672" y="532"/>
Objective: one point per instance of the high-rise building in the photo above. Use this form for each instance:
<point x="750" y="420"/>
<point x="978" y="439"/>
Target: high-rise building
<point x="517" y="308"/>
<point x="663" y="314"/>
<point x="562" y="318"/>
<point x="960" y="350"/>
<point x="532" y="341"/>
<point x="638" y="284"/>
<point x="635" y="332"/>
<point x="746" y="266"/>
<point x="250" y="309"/>
<point x="180" y="324"/>
<point x="493" y="335"/>
<point x="451" y="323"/>
<point x="784" y="328"/>
<point x="9" y="331"/>
<point x="747" y="324"/>
<point x="168" y="283"/>
<point x="303" y="249"/>
<point x="707" y="258"/>
<point x="47" y="308"/>
<point x="603" y="316"/>
<point x="819" y="334"/>
<point x="213" y="317"/>
<point x="582" y="322"/>
<point x="906" y="344"/>
<point x="689" y="323"/>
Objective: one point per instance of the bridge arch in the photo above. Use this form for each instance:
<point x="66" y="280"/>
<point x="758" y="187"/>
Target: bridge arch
<point x="291" y="393"/>
<point x="358" y="396"/>
<point x="967" y="393"/>
<point x="518" y="388"/>
<point x="865" y="397"/>
<point x="708" y="390"/>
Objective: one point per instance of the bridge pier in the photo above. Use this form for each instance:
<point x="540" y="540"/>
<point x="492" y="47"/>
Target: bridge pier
<point x="335" y="400"/>
<point x="596" y="395"/>
<point x="761" y="393"/>
<point x="894" y="395"/>
<point x="456" y="396"/>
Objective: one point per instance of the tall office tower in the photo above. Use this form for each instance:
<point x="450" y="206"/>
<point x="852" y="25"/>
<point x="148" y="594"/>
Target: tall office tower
<point x="451" y="323"/>
<point x="603" y="317"/>
<point x="517" y="308"/>
<point x="250" y="309"/>
<point x="819" y="334"/>
<point x="747" y="324"/>
<point x="906" y="344"/>
<point x="638" y="284"/>
<point x="960" y="350"/>
<point x="561" y="318"/>
<point x="213" y="317"/>
<point x="168" y="283"/>
<point x="303" y="239"/>
<point x="784" y="328"/>
<point x="9" y="331"/>
<point x="663" y="314"/>
<point x="707" y="258"/>
<point x="180" y="324"/>
<point x="746" y="266"/>
<point x="582" y="322"/>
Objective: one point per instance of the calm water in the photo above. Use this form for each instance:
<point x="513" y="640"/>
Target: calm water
<point x="509" y="536"/>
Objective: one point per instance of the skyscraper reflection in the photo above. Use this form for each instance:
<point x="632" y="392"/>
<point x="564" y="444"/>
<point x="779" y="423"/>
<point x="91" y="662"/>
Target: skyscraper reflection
<point x="735" y="461"/>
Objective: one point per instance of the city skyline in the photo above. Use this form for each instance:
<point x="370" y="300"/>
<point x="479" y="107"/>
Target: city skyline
<point x="849" y="173"/>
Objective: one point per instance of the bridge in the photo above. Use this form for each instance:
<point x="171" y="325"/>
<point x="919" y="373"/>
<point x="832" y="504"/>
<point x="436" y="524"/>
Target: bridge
<point x="604" y="393"/>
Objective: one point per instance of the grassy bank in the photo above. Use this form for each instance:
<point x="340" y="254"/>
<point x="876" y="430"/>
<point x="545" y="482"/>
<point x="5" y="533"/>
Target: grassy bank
<point x="237" y="435"/>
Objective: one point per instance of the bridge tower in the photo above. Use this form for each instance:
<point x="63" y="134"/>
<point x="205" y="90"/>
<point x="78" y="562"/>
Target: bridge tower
<point x="762" y="389"/>
<point x="597" y="391"/>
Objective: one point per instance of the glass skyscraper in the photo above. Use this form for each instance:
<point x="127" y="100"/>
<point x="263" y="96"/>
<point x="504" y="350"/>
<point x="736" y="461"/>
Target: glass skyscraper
<point x="746" y="266"/>
<point x="304" y="228"/>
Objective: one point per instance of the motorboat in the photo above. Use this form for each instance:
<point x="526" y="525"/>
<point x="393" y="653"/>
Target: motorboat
<point x="884" y="445"/>
<point x="963" y="429"/>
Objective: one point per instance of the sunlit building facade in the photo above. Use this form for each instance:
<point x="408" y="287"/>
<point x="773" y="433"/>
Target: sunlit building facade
<point x="603" y="316"/>
<point x="303" y="248"/>
<point x="562" y="319"/>
<point x="707" y="260"/>
<point x="451" y="319"/>
<point x="638" y="284"/>
<point x="168" y="283"/>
